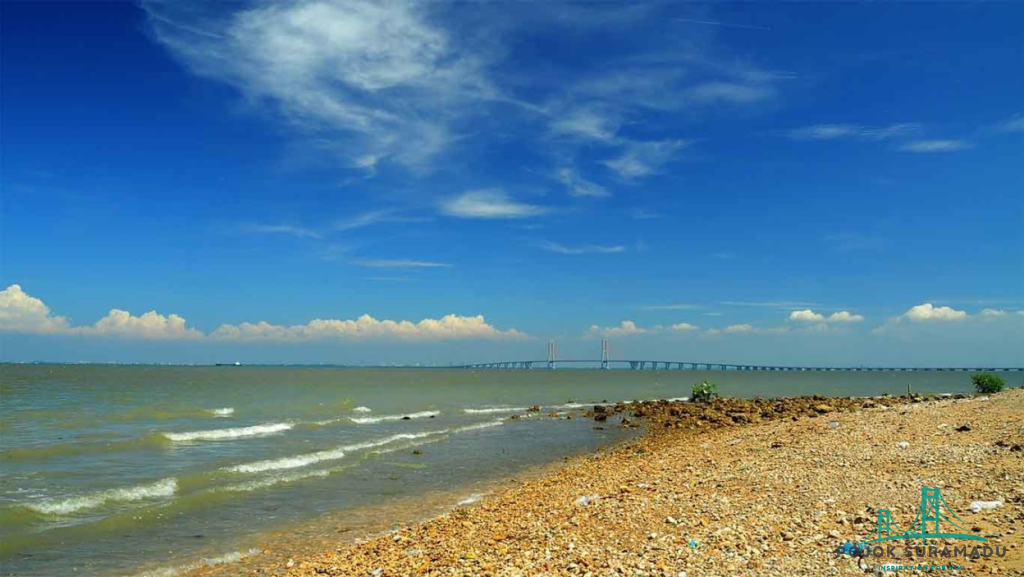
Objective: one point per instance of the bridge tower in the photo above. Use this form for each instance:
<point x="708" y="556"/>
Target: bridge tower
<point x="552" y="353"/>
<point x="604" y="353"/>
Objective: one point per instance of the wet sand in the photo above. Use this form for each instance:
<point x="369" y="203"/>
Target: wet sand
<point x="728" y="488"/>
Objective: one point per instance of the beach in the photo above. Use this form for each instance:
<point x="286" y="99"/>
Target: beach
<point x="732" y="487"/>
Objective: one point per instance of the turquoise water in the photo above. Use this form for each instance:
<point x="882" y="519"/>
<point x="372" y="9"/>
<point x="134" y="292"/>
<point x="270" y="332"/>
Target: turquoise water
<point x="108" y="469"/>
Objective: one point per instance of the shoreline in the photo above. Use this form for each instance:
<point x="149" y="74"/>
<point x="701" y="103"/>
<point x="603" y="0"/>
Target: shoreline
<point x="674" y="484"/>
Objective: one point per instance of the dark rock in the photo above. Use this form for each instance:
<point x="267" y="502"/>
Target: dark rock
<point x="406" y="418"/>
<point x="963" y="428"/>
<point x="600" y="409"/>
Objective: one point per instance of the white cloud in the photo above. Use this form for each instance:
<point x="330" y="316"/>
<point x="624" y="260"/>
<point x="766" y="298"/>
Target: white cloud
<point x="927" y="312"/>
<point x="578" y="186"/>
<point x="671" y="307"/>
<point x="807" y="315"/>
<point x="684" y="327"/>
<point x="641" y="159"/>
<point x="624" y="329"/>
<point x="586" y="123"/>
<point x="852" y="131"/>
<point x="727" y="93"/>
<point x="379" y="74"/>
<point x="286" y="229"/>
<point x="1014" y="124"/>
<point x="490" y="203"/>
<point x="149" y="326"/>
<point x="374" y="217"/>
<point x="23" y="313"/>
<point x="845" y="317"/>
<point x="994" y="313"/>
<point x="400" y="263"/>
<point x="585" y="249"/>
<point x="449" y="327"/>
<point x="739" y="328"/>
<point x="926" y="146"/>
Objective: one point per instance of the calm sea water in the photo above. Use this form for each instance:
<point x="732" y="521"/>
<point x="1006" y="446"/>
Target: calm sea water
<point x="107" y="470"/>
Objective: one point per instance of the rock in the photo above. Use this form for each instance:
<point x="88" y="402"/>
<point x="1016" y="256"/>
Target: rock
<point x="533" y="409"/>
<point x="963" y="428"/>
<point x="902" y="445"/>
<point x="600" y="409"/>
<point x="823" y="408"/>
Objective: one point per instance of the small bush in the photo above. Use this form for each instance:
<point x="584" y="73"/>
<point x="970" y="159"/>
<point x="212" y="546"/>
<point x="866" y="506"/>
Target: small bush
<point x="704" y="392"/>
<point x="987" y="384"/>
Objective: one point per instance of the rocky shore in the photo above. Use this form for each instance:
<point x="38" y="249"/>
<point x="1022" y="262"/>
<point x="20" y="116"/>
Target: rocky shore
<point x="732" y="487"/>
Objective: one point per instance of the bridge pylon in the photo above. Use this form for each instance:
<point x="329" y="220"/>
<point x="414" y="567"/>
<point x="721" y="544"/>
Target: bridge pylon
<point x="604" y="353"/>
<point x="552" y="353"/>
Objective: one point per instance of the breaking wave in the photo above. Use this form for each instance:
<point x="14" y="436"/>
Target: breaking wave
<point x="225" y="412"/>
<point x="384" y="418"/>
<point x="227" y="434"/>
<point x="489" y="410"/>
<point x="162" y="488"/>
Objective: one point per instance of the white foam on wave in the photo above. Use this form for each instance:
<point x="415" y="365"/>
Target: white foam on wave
<point x="327" y="455"/>
<point x="569" y="406"/>
<point x="227" y="434"/>
<point x="271" y="481"/>
<point x="473" y="498"/>
<point x="225" y="412"/>
<point x="489" y="410"/>
<point x="161" y="488"/>
<point x="478" y="426"/>
<point x="384" y="418"/>
<point x="361" y="410"/>
<point x="204" y="562"/>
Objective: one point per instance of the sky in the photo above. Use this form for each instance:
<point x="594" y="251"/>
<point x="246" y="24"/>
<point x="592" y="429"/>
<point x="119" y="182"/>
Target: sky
<point x="353" y="182"/>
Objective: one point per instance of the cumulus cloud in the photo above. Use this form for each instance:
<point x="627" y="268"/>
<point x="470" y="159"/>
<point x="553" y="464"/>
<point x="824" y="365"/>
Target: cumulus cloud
<point x="149" y="326"/>
<point x="23" y="313"/>
<point x="808" y="315"/>
<point x="926" y="146"/>
<point x="739" y="328"/>
<point x="490" y="203"/>
<point x="449" y="327"/>
<point x="683" y="327"/>
<point x="624" y="329"/>
<point x="928" y="312"/>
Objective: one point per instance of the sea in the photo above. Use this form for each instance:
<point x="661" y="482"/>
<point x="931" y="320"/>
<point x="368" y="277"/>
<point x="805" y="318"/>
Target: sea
<point x="158" y="470"/>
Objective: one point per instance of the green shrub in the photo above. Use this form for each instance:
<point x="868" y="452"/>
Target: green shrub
<point x="986" y="383"/>
<point x="704" y="392"/>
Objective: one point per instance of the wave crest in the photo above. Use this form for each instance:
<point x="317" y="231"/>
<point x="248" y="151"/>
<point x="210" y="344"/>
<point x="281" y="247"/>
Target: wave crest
<point x="227" y="434"/>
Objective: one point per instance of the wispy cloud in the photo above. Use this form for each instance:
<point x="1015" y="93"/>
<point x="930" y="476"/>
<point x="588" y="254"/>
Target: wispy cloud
<point x="727" y="93"/>
<point x="1013" y="124"/>
<point x="376" y="81"/>
<point x="375" y="217"/>
<point x="671" y="307"/>
<point x="643" y="214"/>
<point x="579" y="186"/>
<point x="853" y="131"/>
<point x="585" y="249"/>
<point x="587" y="123"/>
<point x="285" y="229"/>
<point x="641" y="159"/>
<point x="788" y="305"/>
<point x="490" y="203"/>
<point x="927" y="146"/>
<point x="399" y="263"/>
<point x="722" y="24"/>
<point x="851" y="242"/>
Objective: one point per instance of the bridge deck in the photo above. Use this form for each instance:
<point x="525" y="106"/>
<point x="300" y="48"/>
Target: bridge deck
<point x="688" y="365"/>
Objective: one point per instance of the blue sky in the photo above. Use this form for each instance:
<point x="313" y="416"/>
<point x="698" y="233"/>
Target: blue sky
<point x="804" y="183"/>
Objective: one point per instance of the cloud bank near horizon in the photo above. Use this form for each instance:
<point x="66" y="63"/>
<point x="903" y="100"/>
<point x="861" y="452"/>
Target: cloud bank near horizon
<point x="21" y="312"/>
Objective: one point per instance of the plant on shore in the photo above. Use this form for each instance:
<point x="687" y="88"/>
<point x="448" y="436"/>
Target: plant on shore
<point x="987" y="383"/>
<point x="704" y="392"/>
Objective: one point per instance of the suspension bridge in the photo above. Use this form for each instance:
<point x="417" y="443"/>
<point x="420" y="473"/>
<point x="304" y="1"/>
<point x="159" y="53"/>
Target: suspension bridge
<point x="606" y="362"/>
<point x="933" y="510"/>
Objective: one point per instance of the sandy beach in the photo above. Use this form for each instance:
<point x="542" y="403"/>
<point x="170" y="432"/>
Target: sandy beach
<point x="733" y="487"/>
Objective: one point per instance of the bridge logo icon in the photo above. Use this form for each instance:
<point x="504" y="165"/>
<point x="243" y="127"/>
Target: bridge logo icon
<point x="928" y="524"/>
